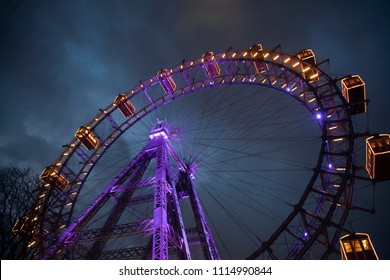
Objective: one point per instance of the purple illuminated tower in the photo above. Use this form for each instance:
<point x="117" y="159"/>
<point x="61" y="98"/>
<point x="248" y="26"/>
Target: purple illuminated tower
<point x="163" y="231"/>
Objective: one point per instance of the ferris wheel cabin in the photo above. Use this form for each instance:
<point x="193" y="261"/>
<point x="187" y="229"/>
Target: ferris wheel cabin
<point x="378" y="157"/>
<point x="257" y="51"/>
<point x="87" y="138"/>
<point x="211" y="66"/>
<point x="124" y="105"/>
<point x="308" y="72"/>
<point x="357" y="246"/>
<point x="166" y="81"/>
<point x="50" y="176"/>
<point x="354" y="92"/>
<point x="256" y="48"/>
<point x="308" y="56"/>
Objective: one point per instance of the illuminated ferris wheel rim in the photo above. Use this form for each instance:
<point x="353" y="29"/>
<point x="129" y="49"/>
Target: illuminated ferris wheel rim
<point x="302" y="80"/>
<point x="241" y="56"/>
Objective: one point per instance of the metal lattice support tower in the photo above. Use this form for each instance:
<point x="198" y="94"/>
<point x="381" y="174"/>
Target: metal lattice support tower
<point x="187" y="190"/>
<point x="165" y="226"/>
<point x="160" y="223"/>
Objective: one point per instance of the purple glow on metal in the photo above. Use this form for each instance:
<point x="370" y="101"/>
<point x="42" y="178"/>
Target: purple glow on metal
<point x="157" y="134"/>
<point x="330" y="166"/>
<point x="210" y="247"/>
<point x="318" y="116"/>
<point x="288" y="89"/>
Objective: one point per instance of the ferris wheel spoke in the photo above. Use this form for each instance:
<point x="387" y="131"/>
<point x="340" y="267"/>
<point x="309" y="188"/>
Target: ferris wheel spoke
<point x="247" y="148"/>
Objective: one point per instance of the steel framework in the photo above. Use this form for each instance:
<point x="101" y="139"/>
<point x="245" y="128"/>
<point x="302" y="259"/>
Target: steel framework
<point x="307" y="226"/>
<point x="169" y="237"/>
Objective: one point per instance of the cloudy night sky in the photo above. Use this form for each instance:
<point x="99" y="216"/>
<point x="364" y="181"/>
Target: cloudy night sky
<point x="60" y="61"/>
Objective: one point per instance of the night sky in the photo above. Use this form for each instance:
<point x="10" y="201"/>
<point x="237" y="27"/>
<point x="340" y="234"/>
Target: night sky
<point x="60" y="61"/>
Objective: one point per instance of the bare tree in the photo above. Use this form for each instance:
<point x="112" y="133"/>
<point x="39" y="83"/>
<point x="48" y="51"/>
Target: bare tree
<point x="18" y="189"/>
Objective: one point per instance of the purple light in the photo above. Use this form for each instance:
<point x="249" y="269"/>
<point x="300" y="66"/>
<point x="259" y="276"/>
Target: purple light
<point x="330" y="166"/>
<point x="305" y="234"/>
<point x="318" y="116"/>
<point x="288" y="89"/>
<point x="158" y="134"/>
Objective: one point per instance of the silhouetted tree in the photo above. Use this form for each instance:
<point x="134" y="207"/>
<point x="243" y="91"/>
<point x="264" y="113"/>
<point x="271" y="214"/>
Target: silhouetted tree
<point x="18" y="189"/>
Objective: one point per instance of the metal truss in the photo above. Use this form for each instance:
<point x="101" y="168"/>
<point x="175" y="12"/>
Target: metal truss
<point x="165" y="227"/>
<point x="307" y="226"/>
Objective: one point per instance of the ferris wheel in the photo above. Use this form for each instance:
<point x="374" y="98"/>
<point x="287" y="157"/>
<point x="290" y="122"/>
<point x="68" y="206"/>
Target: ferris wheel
<point x="157" y="176"/>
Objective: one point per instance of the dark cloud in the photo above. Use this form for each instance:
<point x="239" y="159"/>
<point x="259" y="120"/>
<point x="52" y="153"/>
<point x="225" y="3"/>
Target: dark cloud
<point x="63" y="60"/>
